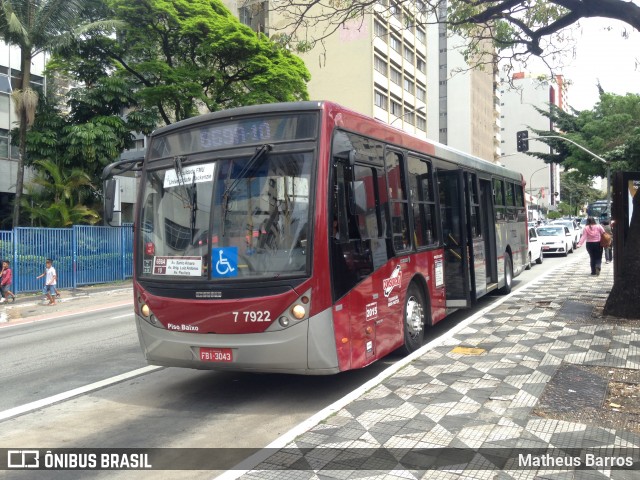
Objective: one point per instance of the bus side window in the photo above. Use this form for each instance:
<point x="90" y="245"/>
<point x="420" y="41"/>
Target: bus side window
<point x="510" y="200"/>
<point x="343" y="264"/>
<point x="421" y="189"/>
<point x="522" y="214"/>
<point x="498" y="199"/>
<point x="398" y="202"/>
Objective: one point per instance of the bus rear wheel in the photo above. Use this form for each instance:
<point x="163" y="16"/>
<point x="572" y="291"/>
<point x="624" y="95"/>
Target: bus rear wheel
<point x="508" y="275"/>
<point x="414" y="319"/>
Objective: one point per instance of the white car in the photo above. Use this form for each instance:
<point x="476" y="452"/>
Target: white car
<point x="535" y="249"/>
<point x="555" y="239"/>
<point x="573" y="228"/>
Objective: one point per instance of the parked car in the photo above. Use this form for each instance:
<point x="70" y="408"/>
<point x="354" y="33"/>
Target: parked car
<point x="555" y="239"/>
<point x="535" y="248"/>
<point x="573" y="228"/>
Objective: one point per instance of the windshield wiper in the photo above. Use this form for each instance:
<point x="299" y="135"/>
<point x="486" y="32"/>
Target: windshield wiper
<point x="261" y="151"/>
<point x="177" y="166"/>
<point x="190" y="192"/>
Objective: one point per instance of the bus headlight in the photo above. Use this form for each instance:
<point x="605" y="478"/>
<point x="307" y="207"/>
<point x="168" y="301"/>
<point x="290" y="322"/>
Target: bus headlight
<point x="145" y="311"/>
<point x="298" y="311"/>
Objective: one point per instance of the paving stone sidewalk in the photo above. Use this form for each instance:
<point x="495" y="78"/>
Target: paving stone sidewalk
<point x="538" y="386"/>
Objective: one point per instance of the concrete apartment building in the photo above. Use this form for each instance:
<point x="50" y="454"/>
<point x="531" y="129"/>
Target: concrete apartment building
<point x="394" y="66"/>
<point x="518" y="103"/>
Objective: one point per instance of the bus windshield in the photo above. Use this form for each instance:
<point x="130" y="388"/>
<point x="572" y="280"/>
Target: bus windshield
<point x="229" y="218"/>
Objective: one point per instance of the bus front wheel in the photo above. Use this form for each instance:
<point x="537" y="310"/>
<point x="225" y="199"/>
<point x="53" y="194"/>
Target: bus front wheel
<point x="414" y="321"/>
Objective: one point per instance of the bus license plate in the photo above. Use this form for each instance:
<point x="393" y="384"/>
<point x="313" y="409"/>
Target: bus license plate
<point x="216" y="354"/>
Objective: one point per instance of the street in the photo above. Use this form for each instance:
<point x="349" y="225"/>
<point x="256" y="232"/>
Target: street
<point x="165" y="407"/>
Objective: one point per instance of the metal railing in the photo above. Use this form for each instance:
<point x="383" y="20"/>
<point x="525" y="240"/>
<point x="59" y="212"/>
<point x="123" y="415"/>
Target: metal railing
<point x="82" y="255"/>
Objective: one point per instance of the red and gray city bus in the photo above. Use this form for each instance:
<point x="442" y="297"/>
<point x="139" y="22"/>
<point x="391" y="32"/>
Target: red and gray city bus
<point x="306" y="238"/>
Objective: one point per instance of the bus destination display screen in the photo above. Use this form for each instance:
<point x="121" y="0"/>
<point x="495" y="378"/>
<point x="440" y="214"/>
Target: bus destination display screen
<point x="244" y="131"/>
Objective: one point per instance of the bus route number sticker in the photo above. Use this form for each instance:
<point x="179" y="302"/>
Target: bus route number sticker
<point x="225" y="262"/>
<point x="439" y="271"/>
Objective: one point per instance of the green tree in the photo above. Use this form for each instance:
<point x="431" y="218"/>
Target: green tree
<point x="576" y="192"/>
<point x="57" y="197"/>
<point x="34" y="26"/>
<point x="92" y="133"/>
<point x="612" y="131"/>
<point x="189" y="56"/>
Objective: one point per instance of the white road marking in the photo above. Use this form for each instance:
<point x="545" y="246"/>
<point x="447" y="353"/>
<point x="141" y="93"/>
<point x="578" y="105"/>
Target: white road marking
<point x="45" y="402"/>
<point x="122" y="316"/>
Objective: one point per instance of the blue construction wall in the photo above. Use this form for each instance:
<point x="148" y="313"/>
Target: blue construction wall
<point x="82" y="255"/>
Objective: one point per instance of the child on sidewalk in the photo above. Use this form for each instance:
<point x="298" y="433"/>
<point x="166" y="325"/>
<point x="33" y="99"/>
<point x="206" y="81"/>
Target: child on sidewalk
<point x="6" y="277"/>
<point x="50" y="282"/>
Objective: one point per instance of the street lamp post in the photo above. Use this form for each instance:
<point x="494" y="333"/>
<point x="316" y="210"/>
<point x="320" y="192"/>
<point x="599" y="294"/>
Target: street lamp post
<point x="531" y="179"/>
<point x="593" y="155"/>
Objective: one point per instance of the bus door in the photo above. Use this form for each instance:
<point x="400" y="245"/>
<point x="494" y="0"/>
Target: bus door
<point x="488" y="227"/>
<point x="454" y="235"/>
<point x="476" y="232"/>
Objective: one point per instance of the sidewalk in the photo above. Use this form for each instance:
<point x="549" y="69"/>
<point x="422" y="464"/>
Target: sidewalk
<point x="33" y="307"/>
<point x="524" y="389"/>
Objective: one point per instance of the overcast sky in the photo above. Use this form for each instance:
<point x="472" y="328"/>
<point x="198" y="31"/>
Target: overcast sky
<point x="606" y="56"/>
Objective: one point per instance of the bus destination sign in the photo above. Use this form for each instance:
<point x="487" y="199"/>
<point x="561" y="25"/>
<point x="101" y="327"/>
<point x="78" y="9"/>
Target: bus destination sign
<point x="179" y="266"/>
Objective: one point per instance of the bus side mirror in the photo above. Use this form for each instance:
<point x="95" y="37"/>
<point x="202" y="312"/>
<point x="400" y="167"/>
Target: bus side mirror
<point x="352" y="158"/>
<point x="109" y="199"/>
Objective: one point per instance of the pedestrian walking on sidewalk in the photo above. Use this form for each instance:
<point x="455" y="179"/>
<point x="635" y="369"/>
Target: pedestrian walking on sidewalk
<point x="6" y="277"/>
<point x="608" y="251"/>
<point x="50" y="281"/>
<point x="592" y="234"/>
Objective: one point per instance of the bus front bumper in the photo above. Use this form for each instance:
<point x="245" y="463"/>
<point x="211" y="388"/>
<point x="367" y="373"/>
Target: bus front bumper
<point x="307" y="348"/>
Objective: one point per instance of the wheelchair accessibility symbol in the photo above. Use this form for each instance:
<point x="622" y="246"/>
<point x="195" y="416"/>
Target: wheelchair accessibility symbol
<point x="226" y="262"/>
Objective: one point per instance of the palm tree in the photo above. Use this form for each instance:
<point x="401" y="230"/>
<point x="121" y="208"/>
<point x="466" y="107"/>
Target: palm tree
<point x="56" y="196"/>
<point x="35" y="26"/>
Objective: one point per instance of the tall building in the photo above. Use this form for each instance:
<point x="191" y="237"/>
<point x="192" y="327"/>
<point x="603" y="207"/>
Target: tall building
<point x="518" y="112"/>
<point x="392" y="65"/>
<point x="462" y="106"/>
<point x="375" y="64"/>
<point x="9" y="80"/>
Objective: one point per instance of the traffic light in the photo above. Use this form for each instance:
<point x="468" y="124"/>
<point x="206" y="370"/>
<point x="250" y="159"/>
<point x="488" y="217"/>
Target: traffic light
<point x="522" y="141"/>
